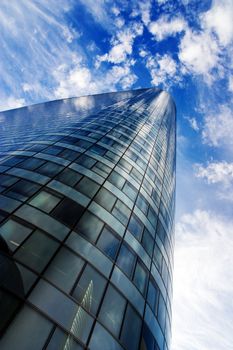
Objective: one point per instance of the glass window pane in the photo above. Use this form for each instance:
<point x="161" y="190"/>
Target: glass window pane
<point x="121" y="211"/>
<point x="28" y="331"/>
<point x="37" y="251"/>
<point x="102" y="340"/>
<point x="105" y="198"/>
<point x="152" y="297"/>
<point x="116" y="179"/>
<point x="86" y="161"/>
<point x="140" y="277"/>
<point x="130" y="191"/>
<point x="131" y="330"/>
<point x="62" y="341"/>
<point x="61" y="308"/>
<point x="50" y="169"/>
<point x="64" y="269"/>
<point x="68" y="211"/>
<point x="112" y="310"/>
<point x="135" y="227"/>
<point x="157" y="258"/>
<point x="31" y="163"/>
<point x="161" y="312"/>
<point x="14" y="233"/>
<point x="45" y="201"/>
<point x="90" y="226"/>
<point x="108" y="243"/>
<point x="148" y="341"/>
<point x="90" y="289"/>
<point x="7" y="180"/>
<point x="147" y="242"/>
<point x="87" y="187"/>
<point x="8" y="306"/>
<point x="22" y="190"/>
<point x="142" y="203"/>
<point x="69" y="177"/>
<point x="126" y="260"/>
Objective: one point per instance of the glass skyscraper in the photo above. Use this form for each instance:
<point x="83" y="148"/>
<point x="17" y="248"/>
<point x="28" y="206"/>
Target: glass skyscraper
<point x="87" y="190"/>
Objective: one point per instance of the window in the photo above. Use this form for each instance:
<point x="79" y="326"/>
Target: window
<point x="64" y="269"/>
<point x="31" y="163"/>
<point x="121" y="211"/>
<point x="87" y="187"/>
<point x="45" y="201"/>
<point x="142" y="203"/>
<point x="148" y="341"/>
<point x="125" y="165"/>
<point x="7" y="180"/>
<point x="135" y="227"/>
<point x="54" y="150"/>
<point x="157" y="258"/>
<point x="68" y="211"/>
<point x="90" y="288"/>
<point x="126" y="260"/>
<point x="152" y="217"/>
<point x="86" y="161"/>
<point x="112" y="310"/>
<point x="28" y="335"/>
<point x="37" y="251"/>
<point x="105" y="198"/>
<point x="116" y="179"/>
<point x="69" y="154"/>
<point x="98" y="150"/>
<point x="152" y="296"/>
<point x="147" y="242"/>
<point x="101" y="169"/>
<point x="61" y="308"/>
<point x="14" y="233"/>
<point x="61" y="341"/>
<point x="101" y="339"/>
<point x="22" y="190"/>
<point x="13" y="161"/>
<point x="131" y="329"/>
<point x="69" y="177"/>
<point x="130" y="191"/>
<point x="161" y="312"/>
<point x="50" y="169"/>
<point x="90" y="226"/>
<point x="108" y="243"/>
<point x="140" y="277"/>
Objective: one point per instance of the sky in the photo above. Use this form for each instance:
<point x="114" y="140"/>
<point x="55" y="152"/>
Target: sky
<point x="64" y="48"/>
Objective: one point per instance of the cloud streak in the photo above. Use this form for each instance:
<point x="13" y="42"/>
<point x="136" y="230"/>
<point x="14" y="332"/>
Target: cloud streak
<point x="203" y="308"/>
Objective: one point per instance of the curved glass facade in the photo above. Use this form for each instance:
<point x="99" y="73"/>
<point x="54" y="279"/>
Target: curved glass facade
<point x="87" y="190"/>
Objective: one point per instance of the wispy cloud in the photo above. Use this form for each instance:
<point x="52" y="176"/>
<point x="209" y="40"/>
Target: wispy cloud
<point x="218" y="126"/>
<point x="203" y="308"/>
<point x="164" y="27"/>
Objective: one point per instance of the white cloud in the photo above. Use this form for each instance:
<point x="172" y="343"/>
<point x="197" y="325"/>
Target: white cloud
<point x="122" y="45"/>
<point x="217" y="129"/>
<point x="216" y="172"/>
<point x="203" y="289"/>
<point x="198" y="52"/>
<point x="163" y="70"/>
<point x="230" y="83"/>
<point x="219" y="174"/>
<point x="219" y="19"/>
<point x="143" y="53"/>
<point x="80" y="80"/>
<point x="145" y="9"/>
<point x="11" y="103"/>
<point x="193" y="123"/>
<point x="163" y="27"/>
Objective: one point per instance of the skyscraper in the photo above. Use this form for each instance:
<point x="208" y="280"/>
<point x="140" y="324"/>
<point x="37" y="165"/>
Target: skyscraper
<point x="86" y="223"/>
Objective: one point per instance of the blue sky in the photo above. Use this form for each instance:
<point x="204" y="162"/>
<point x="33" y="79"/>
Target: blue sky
<point x="63" y="48"/>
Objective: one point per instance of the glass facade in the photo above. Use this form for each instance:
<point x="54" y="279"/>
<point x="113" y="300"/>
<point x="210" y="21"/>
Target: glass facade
<point x="87" y="192"/>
